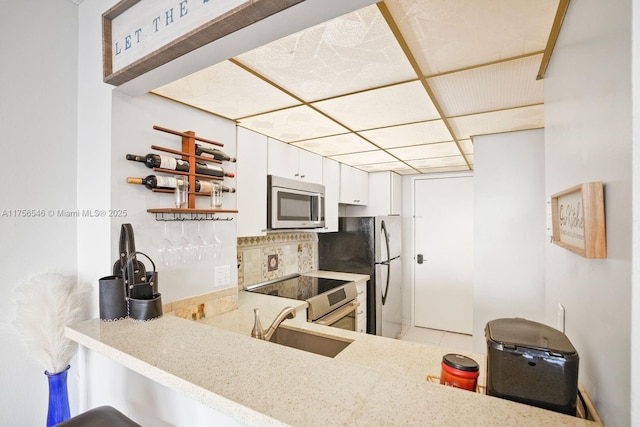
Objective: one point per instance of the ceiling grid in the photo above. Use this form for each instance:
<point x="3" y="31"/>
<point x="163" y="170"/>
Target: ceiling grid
<point x="403" y="85"/>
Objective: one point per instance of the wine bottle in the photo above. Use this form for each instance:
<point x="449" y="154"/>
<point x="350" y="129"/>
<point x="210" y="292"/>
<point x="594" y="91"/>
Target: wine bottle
<point x="213" y="153"/>
<point x="212" y="170"/>
<point x="169" y="183"/>
<point x="154" y="181"/>
<point x="160" y="161"/>
<point x="171" y="163"/>
<point x="207" y="187"/>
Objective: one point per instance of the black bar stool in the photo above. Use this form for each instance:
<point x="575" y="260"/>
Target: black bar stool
<point x="103" y="416"/>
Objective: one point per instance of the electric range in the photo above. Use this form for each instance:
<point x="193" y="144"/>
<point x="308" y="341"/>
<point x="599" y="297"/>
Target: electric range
<point x="322" y="294"/>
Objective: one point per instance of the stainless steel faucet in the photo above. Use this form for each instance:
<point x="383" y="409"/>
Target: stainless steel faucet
<point x="261" y="334"/>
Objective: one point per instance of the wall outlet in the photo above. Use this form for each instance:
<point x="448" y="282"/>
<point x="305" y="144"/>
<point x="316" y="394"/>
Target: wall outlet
<point x="223" y="276"/>
<point x="560" y="319"/>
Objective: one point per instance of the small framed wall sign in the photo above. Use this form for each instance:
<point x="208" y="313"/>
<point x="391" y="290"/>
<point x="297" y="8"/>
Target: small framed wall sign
<point x="578" y="220"/>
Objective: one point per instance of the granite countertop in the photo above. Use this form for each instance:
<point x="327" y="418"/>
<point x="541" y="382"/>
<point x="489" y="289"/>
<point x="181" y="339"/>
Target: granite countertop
<point x="374" y="381"/>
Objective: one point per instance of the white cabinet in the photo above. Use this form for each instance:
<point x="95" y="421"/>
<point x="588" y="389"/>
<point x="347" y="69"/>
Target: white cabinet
<point x="289" y="161"/>
<point x="310" y="166"/>
<point x="354" y="185"/>
<point x="282" y="159"/>
<point x="385" y="196"/>
<point x="251" y="183"/>
<point x="361" y="313"/>
<point x="395" y="199"/>
<point x="331" y="182"/>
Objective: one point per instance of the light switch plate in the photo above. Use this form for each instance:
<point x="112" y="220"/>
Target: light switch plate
<point x="223" y="276"/>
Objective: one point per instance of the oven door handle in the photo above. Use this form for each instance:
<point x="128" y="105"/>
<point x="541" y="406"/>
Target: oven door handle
<point x="338" y="314"/>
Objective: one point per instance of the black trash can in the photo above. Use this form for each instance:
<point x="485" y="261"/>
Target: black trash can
<point x="531" y="363"/>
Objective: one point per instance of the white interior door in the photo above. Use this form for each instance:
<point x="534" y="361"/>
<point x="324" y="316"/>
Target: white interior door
<point x="444" y="238"/>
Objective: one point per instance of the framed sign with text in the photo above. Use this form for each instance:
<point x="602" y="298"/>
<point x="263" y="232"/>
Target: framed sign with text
<point x="141" y="35"/>
<point x="578" y="220"/>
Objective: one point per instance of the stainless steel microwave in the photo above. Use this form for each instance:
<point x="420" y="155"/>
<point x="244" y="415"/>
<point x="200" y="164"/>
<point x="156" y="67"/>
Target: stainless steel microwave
<point x="294" y="204"/>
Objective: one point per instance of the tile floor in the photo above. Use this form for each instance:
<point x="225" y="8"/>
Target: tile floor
<point x="451" y="340"/>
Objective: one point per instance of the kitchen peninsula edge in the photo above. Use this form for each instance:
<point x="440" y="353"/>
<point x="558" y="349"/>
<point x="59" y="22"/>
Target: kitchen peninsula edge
<point x="374" y="381"/>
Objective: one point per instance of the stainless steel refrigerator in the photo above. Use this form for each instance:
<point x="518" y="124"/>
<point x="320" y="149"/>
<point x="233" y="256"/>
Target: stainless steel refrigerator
<point x="370" y="245"/>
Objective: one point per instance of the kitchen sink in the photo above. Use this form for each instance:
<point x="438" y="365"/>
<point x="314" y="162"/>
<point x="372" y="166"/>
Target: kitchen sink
<point x="322" y="345"/>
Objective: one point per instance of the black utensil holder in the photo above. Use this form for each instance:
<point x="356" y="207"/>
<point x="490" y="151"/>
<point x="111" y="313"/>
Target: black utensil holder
<point x="112" y="298"/>
<point x="145" y="309"/>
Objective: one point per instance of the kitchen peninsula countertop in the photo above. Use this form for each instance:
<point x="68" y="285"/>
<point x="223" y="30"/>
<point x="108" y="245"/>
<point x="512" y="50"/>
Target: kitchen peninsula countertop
<point x="375" y="381"/>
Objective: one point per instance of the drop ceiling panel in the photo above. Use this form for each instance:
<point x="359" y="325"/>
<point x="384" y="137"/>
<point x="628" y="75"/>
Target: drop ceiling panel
<point x="498" y="121"/>
<point x="368" y="157"/>
<point x="480" y="58"/>
<point x="227" y="90"/>
<point x="494" y="87"/>
<point x="398" y="167"/>
<point x="444" y="169"/>
<point x="438" y="162"/>
<point x="454" y="34"/>
<point x="293" y="124"/>
<point x="411" y="134"/>
<point x="388" y="106"/>
<point x="440" y="149"/>
<point x="349" y="53"/>
<point x="334" y="145"/>
<point x="405" y="171"/>
<point x="466" y="145"/>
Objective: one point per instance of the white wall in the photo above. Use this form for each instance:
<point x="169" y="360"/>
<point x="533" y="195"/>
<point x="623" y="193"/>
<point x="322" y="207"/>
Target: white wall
<point x="588" y="138"/>
<point x="133" y="133"/>
<point x="635" y="292"/>
<point x="509" y="229"/>
<point x="38" y="120"/>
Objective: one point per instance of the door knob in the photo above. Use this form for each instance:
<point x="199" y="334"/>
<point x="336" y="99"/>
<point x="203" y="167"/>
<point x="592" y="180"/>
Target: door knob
<point x="420" y="259"/>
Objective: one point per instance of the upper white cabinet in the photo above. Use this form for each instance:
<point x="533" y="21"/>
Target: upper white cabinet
<point x="310" y="166"/>
<point x="396" y="194"/>
<point x="354" y="185"/>
<point x="291" y="162"/>
<point x="251" y="181"/>
<point x="385" y="196"/>
<point x="331" y="182"/>
<point x="385" y="193"/>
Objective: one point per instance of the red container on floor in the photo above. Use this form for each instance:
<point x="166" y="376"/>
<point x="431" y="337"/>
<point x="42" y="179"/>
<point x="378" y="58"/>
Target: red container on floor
<point x="459" y="371"/>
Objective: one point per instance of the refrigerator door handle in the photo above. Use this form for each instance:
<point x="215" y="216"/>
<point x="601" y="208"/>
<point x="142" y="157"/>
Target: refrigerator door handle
<point x="386" y="289"/>
<point x="383" y="230"/>
<point x="386" y="263"/>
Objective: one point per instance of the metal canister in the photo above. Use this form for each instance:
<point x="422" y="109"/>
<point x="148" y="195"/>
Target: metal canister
<point x="459" y="371"/>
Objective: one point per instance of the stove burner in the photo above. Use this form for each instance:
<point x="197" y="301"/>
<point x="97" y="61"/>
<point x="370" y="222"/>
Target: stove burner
<point x="299" y="288"/>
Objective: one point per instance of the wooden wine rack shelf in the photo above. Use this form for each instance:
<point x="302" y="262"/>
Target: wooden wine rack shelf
<point x="173" y="214"/>
<point x="188" y="153"/>
<point x="196" y="175"/>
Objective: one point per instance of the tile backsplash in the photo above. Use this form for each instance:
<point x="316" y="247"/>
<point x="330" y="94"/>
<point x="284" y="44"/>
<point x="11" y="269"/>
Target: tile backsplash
<point x="275" y="255"/>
